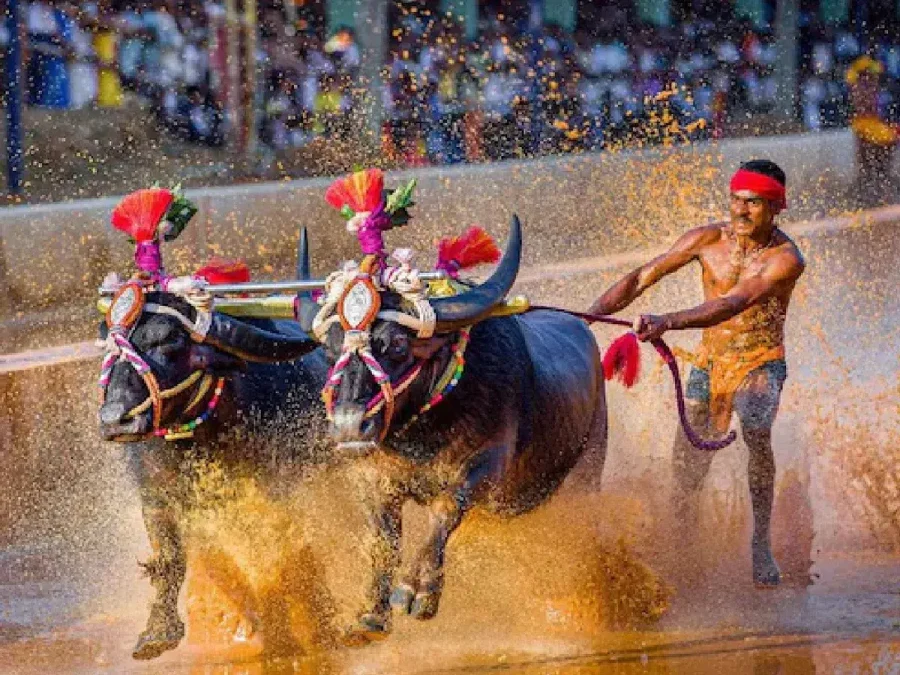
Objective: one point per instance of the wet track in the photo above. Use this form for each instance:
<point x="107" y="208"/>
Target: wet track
<point x="594" y="582"/>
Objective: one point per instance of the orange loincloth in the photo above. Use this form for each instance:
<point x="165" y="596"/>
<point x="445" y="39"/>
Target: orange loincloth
<point x="727" y="371"/>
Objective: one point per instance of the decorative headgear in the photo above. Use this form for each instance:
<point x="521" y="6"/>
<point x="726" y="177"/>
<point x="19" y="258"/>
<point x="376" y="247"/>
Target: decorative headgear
<point x="369" y="209"/>
<point x="146" y="215"/>
<point x="353" y="294"/>
<point x="474" y="247"/>
<point x="763" y="185"/>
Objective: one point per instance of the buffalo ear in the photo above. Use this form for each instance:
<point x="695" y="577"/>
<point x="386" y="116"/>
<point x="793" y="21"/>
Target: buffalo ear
<point x="204" y="357"/>
<point x="425" y="348"/>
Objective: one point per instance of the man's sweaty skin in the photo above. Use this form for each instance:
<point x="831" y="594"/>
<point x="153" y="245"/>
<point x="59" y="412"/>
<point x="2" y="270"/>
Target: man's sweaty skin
<point x="749" y="271"/>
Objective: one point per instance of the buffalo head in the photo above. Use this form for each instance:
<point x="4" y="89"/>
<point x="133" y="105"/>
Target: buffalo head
<point x="178" y="361"/>
<point x="384" y="374"/>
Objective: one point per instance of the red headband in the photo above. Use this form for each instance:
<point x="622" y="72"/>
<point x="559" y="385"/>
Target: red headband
<point x="765" y="186"/>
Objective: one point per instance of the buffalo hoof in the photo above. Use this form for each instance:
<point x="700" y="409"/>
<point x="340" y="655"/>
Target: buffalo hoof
<point x="425" y="605"/>
<point x="370" y="627"/>
<point x="152" y="643"/>
<point x="402" y="598"/>
<point x="765" y="570"/>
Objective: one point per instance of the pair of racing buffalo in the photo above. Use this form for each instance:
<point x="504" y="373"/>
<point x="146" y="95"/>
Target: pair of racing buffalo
<point x="529" y="403"/>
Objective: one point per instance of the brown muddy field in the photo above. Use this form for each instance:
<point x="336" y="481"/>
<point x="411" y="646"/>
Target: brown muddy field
<point x="596" y="581"/>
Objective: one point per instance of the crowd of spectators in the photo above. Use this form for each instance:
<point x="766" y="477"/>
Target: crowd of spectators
<point x="521" y="87"/>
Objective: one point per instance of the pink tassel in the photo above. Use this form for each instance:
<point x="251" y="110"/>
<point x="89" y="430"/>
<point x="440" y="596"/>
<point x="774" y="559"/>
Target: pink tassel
<point x="623" y="359"/>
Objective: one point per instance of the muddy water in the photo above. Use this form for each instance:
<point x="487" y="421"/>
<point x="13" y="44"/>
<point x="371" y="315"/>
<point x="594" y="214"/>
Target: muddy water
<point x="594" y="582"/>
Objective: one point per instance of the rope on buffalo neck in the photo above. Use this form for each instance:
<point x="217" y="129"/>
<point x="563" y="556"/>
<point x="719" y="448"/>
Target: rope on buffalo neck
<point x="187" y="429"/>
<point x="447" y="383"/>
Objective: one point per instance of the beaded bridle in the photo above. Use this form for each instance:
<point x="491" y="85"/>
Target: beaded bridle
<point x="353" y="299"/>
<point x="128" y="305"/>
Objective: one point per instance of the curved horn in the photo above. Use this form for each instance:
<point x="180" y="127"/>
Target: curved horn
<point x="470" y="307"/>
<point x="255" y="344"/>
<point x="303" y="270"/>
<point x="306" y="308"/>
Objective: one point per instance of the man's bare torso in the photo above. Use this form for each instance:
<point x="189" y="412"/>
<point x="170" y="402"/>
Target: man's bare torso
<point x="723" y="266"/>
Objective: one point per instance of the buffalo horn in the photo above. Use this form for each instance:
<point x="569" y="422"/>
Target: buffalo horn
<point x="255" y="344"/>
<point x="306" y="308"/>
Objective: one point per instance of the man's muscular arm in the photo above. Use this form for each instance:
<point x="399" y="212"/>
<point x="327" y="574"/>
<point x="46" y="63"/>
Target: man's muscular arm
<point x="779" y="275"/>
<point x="632" y="285"/>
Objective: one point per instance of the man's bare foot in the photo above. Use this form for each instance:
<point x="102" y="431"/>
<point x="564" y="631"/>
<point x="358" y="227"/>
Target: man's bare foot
<point x="765" y="570"/>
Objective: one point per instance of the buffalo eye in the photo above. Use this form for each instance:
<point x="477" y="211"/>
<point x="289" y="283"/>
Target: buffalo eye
<point x="171" y="348"/>
<point x="398" y="348"/>
<point x="168" y="347"/>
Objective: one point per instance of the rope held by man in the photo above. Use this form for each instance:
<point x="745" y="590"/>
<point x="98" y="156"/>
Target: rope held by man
<point x="666" y="354"/>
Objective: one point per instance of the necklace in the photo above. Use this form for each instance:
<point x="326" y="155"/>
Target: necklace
<point x="739" y="258"/>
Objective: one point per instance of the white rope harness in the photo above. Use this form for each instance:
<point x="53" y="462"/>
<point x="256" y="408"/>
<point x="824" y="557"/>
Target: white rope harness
<point x="119" y="347"/>
<point x="401" y="279"/>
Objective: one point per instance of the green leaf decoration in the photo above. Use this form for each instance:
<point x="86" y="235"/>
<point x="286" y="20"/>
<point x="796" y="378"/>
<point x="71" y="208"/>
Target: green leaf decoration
<point x="347" y="212"/>
<point x="179" y="215"/>
<point x="400" y="217"/>
<point x="400" y="198"/>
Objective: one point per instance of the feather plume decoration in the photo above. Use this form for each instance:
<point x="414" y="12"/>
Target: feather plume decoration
<point x="474" y="247"/>
<point x="138" y="215"/>
<point x="623" y="359"/>
<point x="358" y="192"/>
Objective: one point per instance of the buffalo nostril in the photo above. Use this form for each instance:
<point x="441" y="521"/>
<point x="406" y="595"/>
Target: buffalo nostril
<point x="112" y="413"/>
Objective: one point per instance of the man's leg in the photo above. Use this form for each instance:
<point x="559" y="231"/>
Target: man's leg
<point x="756" y="404"/>
<point x="690" y="465"/>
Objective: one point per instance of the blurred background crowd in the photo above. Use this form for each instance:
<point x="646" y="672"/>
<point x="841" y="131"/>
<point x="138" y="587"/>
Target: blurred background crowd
<point x="509" y="81"/>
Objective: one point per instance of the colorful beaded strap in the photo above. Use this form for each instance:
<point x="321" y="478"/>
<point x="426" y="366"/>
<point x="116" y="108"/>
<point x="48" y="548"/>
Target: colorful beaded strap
<point x="186" y="430"/>
<point x="448" y="381"/>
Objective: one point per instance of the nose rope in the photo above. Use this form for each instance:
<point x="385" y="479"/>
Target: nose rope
<point x="358" y="342"/>
<point x="119" y="348"/>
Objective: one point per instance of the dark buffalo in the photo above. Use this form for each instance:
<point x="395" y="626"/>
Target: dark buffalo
<point x="267" y="384"/>
<point x="530" y="402"/>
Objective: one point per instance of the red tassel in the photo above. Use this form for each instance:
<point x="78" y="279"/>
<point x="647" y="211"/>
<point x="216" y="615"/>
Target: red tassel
<point x="361" y="191"/>
<point x="623" y="359"/>
<point x="220" y="271"/>
<point x="475" y="247"/>
<point x="139" y="214"/>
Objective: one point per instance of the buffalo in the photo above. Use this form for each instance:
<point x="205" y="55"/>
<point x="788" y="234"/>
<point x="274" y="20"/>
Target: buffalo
<point x="474" y="410"/>
<point x="269" y="370"/>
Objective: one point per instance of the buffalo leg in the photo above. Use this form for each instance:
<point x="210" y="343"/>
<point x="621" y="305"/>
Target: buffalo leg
<point x="166" y="569"/>
<point x="426" y="574"/>
<point x="383" y="549"/>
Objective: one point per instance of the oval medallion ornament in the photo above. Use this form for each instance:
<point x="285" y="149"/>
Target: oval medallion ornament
<point x="359" y="305"/>
<point x="126" y="306"/>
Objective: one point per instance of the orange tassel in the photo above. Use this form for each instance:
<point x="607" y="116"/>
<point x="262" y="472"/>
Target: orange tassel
<point x="360" y="191"/>
<point x="623" y="359"/>
<point x="475" y="247"/>
<point x="138" y="215"/>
